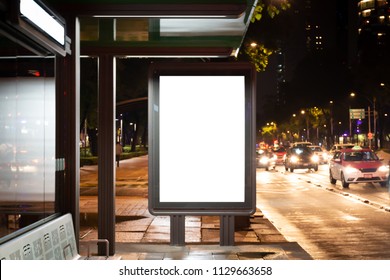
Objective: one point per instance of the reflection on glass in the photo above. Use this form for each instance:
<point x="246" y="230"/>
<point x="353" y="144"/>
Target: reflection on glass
<point x="131" y="30"/>
<point x="89" y="29"/>
<point x="27" y="141"/>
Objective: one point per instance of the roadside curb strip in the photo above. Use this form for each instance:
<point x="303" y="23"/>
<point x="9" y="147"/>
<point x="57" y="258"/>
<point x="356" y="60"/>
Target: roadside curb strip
<point x="363" y="200"/>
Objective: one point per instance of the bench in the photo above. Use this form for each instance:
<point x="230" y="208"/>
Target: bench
<point x="54" y="240"/>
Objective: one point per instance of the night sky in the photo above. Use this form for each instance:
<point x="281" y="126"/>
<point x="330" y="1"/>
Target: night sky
<point x="312" y="77"/>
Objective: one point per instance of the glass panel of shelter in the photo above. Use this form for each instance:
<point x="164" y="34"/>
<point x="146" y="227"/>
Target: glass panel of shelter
<point x="27" y="137"/>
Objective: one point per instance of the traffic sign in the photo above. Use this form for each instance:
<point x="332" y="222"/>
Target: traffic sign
<point x="356" y="114"/>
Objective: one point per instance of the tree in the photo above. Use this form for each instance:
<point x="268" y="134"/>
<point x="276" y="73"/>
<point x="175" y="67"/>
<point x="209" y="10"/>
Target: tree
<point x="290" y="130"/>
<point x="313" y="119"/>
<point x="317" y="121"/>
<point x="269" y="133"/>
<point x="89" y="102"/>
<point x="272" y="7"/>
<point x="258" y="52"/>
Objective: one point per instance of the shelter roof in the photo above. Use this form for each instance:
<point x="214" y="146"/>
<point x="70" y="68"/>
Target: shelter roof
<point x="212" y="28"/>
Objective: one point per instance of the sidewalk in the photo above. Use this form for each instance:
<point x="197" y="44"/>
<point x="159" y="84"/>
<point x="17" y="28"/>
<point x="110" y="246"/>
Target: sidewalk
<point x="140" y="236"/>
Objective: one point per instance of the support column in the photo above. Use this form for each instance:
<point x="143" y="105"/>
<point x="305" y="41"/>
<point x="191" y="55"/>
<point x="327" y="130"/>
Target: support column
<point x="106" y="152"/>
<point x="226" y="232"/>
<point x="67" y="128"/>
<point x="177" y="230"/>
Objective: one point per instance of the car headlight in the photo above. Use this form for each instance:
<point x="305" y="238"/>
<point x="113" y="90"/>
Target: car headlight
<point x="294" y="159"/>
<point x="315" y="158"/>
<point x="264" y="160"/>
<point x="350" y="169"/>
<point x="383" y="168"/>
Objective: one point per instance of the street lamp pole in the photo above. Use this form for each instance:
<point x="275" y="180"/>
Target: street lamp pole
<point x="350" y="124"/>
<point x="303" y="112"/>
<point x="121" y="135"/>
<point x="331" y="121"/>
<point x="369" y="127"/>
<point x="374" y="99"/>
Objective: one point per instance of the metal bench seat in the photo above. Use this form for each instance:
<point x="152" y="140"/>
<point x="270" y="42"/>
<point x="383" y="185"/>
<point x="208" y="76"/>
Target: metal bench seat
<point x="54" y="240"/>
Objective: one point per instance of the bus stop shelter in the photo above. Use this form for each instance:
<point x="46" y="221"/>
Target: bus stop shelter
<point x="108" y="29"/>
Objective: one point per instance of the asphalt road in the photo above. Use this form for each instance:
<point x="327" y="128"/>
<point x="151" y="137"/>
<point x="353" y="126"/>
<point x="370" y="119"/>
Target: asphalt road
<point x="329" y="222"/>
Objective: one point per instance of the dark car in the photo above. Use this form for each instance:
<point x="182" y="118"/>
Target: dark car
<point x="265" y="159"/>
<point x="301" y="157"/>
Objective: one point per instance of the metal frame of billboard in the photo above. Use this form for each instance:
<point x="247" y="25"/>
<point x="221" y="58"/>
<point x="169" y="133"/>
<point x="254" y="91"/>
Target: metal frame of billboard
<point x="248" y="204"/>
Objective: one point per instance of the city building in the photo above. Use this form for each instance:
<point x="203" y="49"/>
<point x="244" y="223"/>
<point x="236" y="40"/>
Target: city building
<point x="373" y="29"/>
<point x="373" y="59"/>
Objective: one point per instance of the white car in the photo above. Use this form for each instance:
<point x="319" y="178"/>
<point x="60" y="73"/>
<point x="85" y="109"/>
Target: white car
<point x="337" y="147"/>
<point x="358" y="165"/>
<point x="322" y="154"/>
<point x="300" y="144"/>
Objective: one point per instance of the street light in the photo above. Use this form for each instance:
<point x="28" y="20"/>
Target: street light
<point x="303" y="112"/>
<point x="331" y="121"/>
<point x="119" y="134"/>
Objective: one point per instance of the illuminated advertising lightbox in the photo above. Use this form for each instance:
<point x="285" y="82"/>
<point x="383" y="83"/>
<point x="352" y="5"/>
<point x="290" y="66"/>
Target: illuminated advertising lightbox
<point x="201" y="138"/>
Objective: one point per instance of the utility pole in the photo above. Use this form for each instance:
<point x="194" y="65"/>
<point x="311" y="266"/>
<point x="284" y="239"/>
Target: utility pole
<point x="375" y="134"/>
<point x="369" y="126"/>
<point x="331" y="122"/>
<point x="350" y="124"/>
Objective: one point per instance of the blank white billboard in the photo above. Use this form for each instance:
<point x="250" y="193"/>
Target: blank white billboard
<point x="201" y="138"/>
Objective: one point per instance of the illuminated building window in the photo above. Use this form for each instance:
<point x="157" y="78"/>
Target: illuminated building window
<point x="366" y="4"/>
<point x="366" y="13"/>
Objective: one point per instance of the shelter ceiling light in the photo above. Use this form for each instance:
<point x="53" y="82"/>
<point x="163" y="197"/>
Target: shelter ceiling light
<point x="161" y="16"/>
<point x="38" y="16"/>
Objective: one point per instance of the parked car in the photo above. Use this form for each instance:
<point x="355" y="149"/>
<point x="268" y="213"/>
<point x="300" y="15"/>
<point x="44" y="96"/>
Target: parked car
<point x="358" y="165"/>
<point x="280" y="155"/>
<point x="321" y="153"/>
<point x="266" y="159"/>
<point x="301" y="157"/>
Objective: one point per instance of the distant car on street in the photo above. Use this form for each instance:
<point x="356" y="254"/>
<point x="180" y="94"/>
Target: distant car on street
<point x="321" y="153"/>
<point x="358" y="165"/>
<point x="301" y="157"/>
<point x="299" y="144"/>
<point x="280" y="155"/>
<point x="337" y="147"/>
<point x="265" y="159"/>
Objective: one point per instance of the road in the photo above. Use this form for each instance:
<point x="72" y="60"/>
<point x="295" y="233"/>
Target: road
<point x="329" y="222"/>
